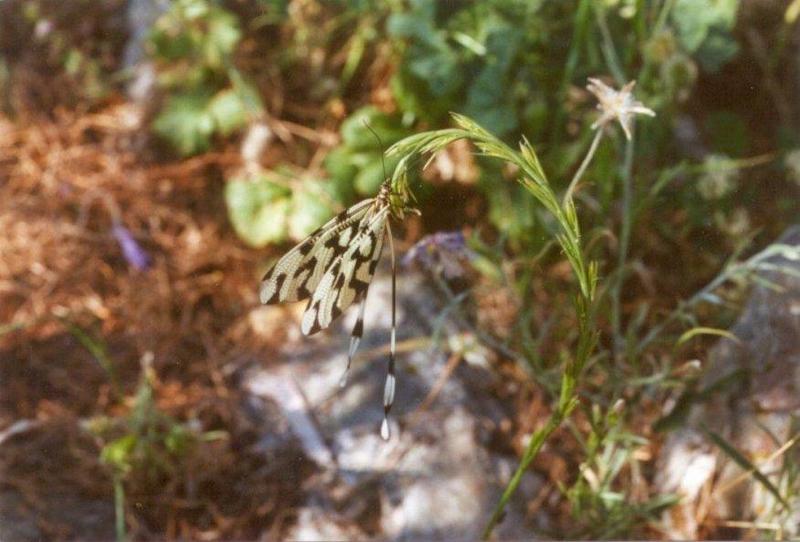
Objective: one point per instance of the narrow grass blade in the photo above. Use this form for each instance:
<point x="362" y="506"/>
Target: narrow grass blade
<point x="695" y="331"/>
<point x="746" y="464"/>
<point x="98" y="351"/>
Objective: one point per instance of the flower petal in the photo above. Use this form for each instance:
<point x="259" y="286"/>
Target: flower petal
<point x="134" y="254"/>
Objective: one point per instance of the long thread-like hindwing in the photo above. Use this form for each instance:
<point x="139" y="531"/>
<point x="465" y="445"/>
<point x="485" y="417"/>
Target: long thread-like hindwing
<point x="296" y="275"/>
<point x="355" y="338"/>
<point x="390" y="385"/>
<point x="348" y="276"/>
<point x="333" y="268"/>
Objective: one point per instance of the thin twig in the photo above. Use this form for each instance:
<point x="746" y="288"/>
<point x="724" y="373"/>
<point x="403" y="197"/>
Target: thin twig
<point x="438" y="386"/>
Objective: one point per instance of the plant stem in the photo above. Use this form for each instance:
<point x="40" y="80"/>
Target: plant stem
<point x="535" y="181"/>
<point x="534" y="445"/>
<point x="119" y="509"/>
<point x="624" y="242"/>
<point x="582" y="169"/>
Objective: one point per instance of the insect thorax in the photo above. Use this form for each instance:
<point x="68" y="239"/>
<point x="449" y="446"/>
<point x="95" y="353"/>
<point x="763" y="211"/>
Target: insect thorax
<point x="395" y="201"/>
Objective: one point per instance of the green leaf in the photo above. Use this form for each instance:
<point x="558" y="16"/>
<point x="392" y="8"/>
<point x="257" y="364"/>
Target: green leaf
<point x="369" y="179"/>
<point x="694" y="19"/>
<point x="704" y="28"/>
<point x="193" y="9"/>
<point x="716" y="51"/>
<point x="185" y="122"/>
<point x="487" y="268"/>
<point x="247" y="93"/>
<point x="73" y="61"/>
<point x="357" y="136"/>
<point x="413" y="96"/>
<point x="488" y="100"/>
<point x="357" y="166"/>
<point x="228" y="111"/>
<point x="439" y="69"/>
<point x="117" y="453"/>
<point x="690" y="334"/>
<point x="410" y="26"/>
<point x="310" y="210"/>
<point x="341" y="167"/>
<point x="168" y="44"/>
<point x="178" y="439"/>
<point x="259" y="210"/>
<point x="429" y="58"/>
<point x="222" y="36"/>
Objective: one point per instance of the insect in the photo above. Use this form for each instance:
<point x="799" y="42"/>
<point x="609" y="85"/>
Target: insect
<point x="333" y="268"/>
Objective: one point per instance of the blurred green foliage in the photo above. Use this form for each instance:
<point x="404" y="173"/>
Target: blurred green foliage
<point x="146" y="447"/>
<point x="703" y="28"/>
<point x="469" y="60"/>
<point x="508" y="64"/>
<point x="263" y="209"/>
<point x="194" y="42"/>
<point x="357" y="166"/>
<point x="41" y="36"/>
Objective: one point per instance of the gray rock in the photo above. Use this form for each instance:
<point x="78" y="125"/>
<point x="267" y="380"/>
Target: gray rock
<point x="438" y="476"/>
<point x="36" y="502"/>
<point x="142" y="85"/>
<point x="754" y="407"/>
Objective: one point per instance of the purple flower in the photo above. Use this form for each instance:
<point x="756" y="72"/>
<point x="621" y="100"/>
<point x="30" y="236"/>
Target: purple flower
<point x="134" y="254"/>
<point x="443" y="252"/>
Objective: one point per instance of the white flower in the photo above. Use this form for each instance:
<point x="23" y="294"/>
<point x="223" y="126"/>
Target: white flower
<point x="618" y="105"/>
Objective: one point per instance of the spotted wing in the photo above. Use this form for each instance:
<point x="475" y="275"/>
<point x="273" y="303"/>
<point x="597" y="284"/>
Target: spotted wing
<point x="348" y="276"/>
<point x="296" y="275"/>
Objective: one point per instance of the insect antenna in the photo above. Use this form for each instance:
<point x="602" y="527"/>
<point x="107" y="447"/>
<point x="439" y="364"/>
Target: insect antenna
<point x="380" y="144"/>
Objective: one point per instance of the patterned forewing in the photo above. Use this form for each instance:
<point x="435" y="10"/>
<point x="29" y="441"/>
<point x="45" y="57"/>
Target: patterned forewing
<point x="296" y="275"/>
<point x="348" y="276"/>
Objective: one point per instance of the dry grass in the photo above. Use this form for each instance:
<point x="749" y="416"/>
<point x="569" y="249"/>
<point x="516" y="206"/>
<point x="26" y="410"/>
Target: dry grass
<point x="63" y="182"/>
